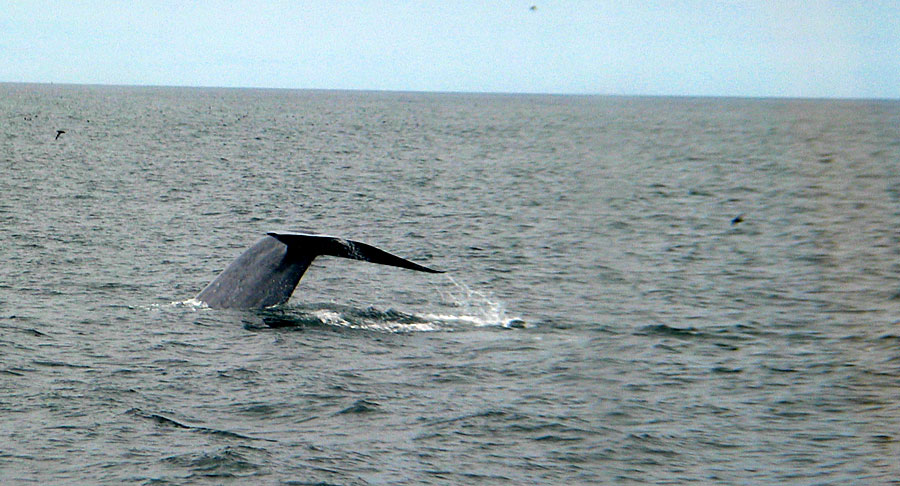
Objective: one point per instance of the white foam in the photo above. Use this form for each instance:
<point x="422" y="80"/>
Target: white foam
<point x="191" y="303"/>
<point x="333" y="318"/>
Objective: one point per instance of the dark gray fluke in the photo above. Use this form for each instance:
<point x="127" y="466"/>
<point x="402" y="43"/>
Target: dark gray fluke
<point x="267" y="272"/>
<point x="58" y="133"/>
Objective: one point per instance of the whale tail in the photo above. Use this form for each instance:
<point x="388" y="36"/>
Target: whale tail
<point x="267" y="272"/>
<point x="315" y="244"/>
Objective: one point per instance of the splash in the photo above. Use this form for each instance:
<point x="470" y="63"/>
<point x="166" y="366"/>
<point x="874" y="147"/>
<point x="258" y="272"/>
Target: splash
<point x="476" y="308"/>
<point x="468" y="308"/>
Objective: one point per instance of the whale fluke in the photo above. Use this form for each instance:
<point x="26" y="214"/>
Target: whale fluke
<point x="339" y="247"/>
<point x="267" y="272"/>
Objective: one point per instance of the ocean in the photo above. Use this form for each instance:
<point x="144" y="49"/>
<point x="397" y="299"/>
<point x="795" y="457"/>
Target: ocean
<point x="638" y="290"/>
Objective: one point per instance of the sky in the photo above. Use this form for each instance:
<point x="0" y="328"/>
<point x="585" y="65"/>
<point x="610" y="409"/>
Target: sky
<point x="816" y="49"/>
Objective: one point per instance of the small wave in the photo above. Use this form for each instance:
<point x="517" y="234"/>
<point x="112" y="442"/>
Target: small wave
<point x="665" y="330"/>
<point x="164" y="421"/>
<point x="223" y="462"/>
<point x="360" y="406"/>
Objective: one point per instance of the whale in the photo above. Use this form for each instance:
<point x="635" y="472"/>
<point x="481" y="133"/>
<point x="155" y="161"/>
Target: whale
<point x="267" y="273"/>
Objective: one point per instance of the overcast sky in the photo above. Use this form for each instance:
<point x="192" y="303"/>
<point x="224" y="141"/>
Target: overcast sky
<point x="714" y="47"/>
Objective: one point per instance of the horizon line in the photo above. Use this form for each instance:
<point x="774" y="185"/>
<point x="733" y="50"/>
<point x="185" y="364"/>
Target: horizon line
<point x="465" y="92"/>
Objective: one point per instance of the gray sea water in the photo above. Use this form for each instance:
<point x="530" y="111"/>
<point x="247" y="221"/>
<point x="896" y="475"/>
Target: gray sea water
<point x="638" y="290"/>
